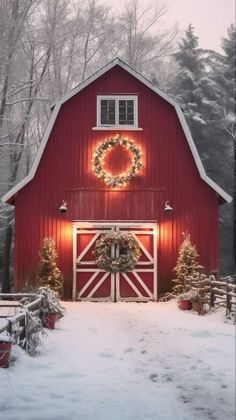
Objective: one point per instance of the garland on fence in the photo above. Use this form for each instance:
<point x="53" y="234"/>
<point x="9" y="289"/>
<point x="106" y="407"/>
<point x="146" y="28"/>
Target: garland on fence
<point x="129" y="252"/>
<point x="120" y="180"/>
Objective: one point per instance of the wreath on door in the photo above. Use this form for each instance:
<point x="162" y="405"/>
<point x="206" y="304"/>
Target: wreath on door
<point x="128" y="256"/>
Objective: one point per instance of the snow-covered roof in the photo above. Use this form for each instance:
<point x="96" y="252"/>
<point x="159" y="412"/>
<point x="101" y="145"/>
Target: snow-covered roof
<point x="56" y="108"/>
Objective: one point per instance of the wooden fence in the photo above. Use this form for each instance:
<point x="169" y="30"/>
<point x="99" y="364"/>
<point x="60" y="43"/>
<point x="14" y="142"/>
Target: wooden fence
<point x="216" y="293"/>
<point x="17" y="326"/>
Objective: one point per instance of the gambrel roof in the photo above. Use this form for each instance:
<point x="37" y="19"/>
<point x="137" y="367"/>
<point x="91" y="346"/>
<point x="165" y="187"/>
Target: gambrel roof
<point x="8" y="197"/>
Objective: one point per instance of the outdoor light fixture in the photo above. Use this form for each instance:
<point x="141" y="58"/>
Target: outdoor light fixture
<point x="63" y="207"/>
<point x="167" y="206"/>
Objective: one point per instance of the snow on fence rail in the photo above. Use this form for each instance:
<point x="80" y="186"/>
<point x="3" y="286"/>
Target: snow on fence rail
<point x="26" y="325"/>
<point x="215" y="292"/>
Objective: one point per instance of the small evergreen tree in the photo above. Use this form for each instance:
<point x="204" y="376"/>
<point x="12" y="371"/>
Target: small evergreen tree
<point x="187" y="264"/>
<point x="49" y="274"/>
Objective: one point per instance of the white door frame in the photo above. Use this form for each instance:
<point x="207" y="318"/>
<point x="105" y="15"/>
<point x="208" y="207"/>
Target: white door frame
<point x="110" y="225"/>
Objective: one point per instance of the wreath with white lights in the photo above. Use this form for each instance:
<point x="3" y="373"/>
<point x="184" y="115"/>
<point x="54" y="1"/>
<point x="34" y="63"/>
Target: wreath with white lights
<point x="120" y="180"/>
<point x="129" y="252"/>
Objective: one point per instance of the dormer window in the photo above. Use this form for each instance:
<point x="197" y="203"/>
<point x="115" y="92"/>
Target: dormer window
<point x="117" y="112"/>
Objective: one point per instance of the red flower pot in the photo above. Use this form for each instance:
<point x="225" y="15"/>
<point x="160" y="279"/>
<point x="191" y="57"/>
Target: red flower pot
<point x="5" y="350"/>
<point x="49" y="321"/>
<point x="185" y="305"/>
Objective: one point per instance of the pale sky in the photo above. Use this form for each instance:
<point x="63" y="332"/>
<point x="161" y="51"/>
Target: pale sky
<point x="210" y="18"/>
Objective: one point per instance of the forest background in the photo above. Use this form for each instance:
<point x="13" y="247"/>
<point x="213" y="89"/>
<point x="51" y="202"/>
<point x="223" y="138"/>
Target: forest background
<point x="49" y="46"/>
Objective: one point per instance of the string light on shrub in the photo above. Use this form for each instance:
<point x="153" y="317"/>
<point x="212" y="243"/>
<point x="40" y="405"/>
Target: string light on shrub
<point x="120" y="180"/>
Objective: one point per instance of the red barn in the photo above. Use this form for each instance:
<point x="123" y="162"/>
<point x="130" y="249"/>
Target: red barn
<point x="118" y="151"/>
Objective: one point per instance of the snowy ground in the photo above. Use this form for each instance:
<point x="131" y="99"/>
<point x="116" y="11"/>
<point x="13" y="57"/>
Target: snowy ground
<point x="125" y="361"/>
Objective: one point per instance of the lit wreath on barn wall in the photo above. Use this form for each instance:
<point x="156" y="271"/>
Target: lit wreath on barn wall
<point x="120" y="180"/>
<point x="129" y="252"/>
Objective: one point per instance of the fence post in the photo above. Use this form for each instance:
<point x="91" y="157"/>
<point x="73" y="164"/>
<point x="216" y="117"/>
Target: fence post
<point x="228" y="300"/>
<point x="9" y="327"/>
<point x="22" y="335"/>
<point x="211" y="293"/>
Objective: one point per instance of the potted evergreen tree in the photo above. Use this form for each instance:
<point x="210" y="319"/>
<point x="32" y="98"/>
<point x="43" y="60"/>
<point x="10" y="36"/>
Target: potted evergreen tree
<point x="184" y="301"/>
<point x="191" y="300"/>
<point x="52" y="310"/>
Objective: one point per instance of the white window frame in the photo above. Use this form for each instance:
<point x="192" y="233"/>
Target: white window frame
<point x="115" y="126"/>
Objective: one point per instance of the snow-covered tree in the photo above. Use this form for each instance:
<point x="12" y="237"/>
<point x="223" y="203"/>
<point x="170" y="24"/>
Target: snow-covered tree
<point x="17" y="94"/>
<point x="49" y="274"/>
<point x="222" y="72"/>
<point x="186" y="265"/>
<point x="195" y="90"/>
<point x="229" y="123"/>
<point x="26" y="46"/>
<point x="187" y="88"/>
<point x="220" y="135"/>
<point x="205" y="87"/>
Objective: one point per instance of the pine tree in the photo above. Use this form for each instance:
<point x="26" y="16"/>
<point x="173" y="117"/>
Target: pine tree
<point x="223" y="138"/>
<point x="205" y="87"/>
<point x="187" y="264"/>
<point x="197" y="92"/>
<point x="187" y="89"/>
<point x="189" y="55"/>
<point x="223" y="73"/>
<point x="49" y="274"/>
<point x="229" y="47"/>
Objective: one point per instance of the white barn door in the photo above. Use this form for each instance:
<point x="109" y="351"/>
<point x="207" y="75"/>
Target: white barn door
<point x="93" y="284"/>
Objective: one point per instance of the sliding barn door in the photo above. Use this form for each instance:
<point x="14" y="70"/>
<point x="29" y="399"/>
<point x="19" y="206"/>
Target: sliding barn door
<point x="93" y="284"/>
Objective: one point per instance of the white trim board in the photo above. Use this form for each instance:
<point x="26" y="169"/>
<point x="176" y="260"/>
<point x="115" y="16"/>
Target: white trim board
<point x="56" y="108"/>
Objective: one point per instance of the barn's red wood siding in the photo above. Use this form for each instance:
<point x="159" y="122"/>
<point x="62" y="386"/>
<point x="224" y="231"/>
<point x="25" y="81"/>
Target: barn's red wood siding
<point x="65" y="173"/>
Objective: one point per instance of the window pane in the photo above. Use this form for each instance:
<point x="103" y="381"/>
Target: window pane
<point x="126" y="112"/>
<point x="108" y="112"/>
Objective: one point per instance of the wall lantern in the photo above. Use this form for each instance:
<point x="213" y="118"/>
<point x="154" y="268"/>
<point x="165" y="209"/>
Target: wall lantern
<point x="63" y="207"/>
<point x="167" y="206"/>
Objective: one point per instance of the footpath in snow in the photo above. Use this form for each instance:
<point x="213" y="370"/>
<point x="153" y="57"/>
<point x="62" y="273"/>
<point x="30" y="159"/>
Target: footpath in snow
<point x="125" y="361"/>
